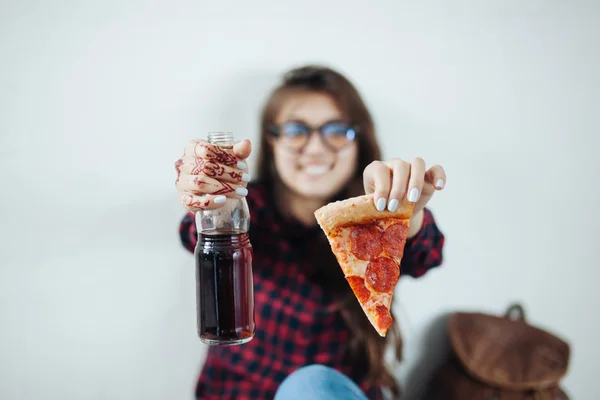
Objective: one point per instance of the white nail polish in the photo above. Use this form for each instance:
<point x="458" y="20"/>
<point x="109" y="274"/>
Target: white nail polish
<point x="246" y="177"/>
<point x="393" y="205"/>
<point x="241" y="191"/>
<point x="413" y="195"/>
<point x="220" y="199"/>
<point x="241" y="165"/>
<point x="439" y="184"/>
<point x="380" y="205"/>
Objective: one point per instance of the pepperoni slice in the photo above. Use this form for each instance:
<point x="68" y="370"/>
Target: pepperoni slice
<point x="382" y="274"/>
<point x="384" y="318"/>
<point x="358" y="287"/>
<point x="394" y="239"/>
<point x="365" y="242"/>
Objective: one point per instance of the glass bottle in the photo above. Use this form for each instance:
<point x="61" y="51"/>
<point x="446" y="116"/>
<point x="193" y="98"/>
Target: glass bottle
<point x="224" y="281"/>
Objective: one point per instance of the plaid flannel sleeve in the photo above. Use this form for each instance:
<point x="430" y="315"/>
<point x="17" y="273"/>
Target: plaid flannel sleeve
<point x="423" y="251"/>
<point x="187" y="232"/>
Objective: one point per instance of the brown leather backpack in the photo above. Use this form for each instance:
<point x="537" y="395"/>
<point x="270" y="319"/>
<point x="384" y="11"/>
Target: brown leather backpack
<point x="500" y="358"/>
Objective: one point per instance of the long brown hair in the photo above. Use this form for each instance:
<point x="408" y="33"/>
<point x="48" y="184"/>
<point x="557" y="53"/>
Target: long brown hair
<point x="366" y="349"/>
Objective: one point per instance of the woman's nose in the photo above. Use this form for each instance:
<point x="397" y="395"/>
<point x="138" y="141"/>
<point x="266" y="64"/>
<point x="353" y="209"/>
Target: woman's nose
<point x="315" y="144"/>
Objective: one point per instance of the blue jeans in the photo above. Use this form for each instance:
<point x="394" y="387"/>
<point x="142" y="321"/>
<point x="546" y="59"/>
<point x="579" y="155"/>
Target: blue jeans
<point x="317" y="382"/>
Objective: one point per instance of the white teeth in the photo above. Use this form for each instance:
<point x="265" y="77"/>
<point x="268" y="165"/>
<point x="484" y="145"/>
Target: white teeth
<point x="315" y="170"/>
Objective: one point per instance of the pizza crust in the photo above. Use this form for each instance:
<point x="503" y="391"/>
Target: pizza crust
<point x="358" y="210"/>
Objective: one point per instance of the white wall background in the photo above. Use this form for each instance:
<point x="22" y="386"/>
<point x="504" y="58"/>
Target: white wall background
<point x="97" y="99"/>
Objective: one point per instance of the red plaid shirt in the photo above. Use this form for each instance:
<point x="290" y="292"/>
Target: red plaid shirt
<point x="294" y="326"/>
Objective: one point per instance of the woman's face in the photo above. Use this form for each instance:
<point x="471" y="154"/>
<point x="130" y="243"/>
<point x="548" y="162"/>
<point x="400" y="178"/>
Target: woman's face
<point x="316" y="171"/>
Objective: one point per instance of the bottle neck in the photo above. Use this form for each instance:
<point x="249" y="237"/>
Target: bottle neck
<point x="223" y="139"/>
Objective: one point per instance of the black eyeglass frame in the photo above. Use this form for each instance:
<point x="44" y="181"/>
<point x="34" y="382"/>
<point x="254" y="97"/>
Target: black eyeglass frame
<point x="352" y="132"/>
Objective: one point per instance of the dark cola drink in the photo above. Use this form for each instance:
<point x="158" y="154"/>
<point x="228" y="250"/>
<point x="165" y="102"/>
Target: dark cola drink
<point x="225" y="289"/>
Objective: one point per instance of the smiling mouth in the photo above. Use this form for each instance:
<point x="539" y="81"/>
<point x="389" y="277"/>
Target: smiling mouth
<point x="315" y="170"/>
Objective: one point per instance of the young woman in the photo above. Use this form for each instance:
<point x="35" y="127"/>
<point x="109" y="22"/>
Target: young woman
<point x="317" y="145"/>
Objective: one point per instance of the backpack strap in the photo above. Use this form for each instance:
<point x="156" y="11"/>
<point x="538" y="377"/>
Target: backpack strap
<point x="515" y="312"/>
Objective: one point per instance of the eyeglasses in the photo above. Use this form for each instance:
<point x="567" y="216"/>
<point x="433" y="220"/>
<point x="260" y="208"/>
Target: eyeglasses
<point x="295" y="135"/>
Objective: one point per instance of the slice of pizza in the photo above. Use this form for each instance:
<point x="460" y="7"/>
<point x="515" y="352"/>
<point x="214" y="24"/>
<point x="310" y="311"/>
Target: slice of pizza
<point x="368" y="244"/>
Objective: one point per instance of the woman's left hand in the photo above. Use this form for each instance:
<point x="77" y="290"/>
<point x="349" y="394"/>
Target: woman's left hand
<point x="390" y="180"/>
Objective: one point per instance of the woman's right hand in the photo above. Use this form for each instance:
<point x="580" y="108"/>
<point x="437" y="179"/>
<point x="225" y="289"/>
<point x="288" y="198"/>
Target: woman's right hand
<point x="208" y="174"/>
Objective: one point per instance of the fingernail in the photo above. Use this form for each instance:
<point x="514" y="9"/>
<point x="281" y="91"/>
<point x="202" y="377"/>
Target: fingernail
<point x="245" y="177"/>
<point x="220" y="199"/>
<point x="241" y="165"/>
<point x="393" y="205"/>
<point x="380" y="205"/>
<point x="241" y="191"/>
<point x="439" y="184"/>
<point x="413" y="195"/>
